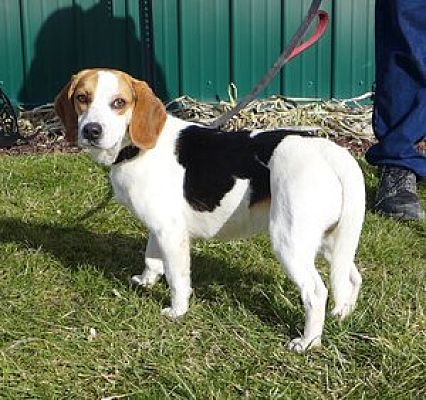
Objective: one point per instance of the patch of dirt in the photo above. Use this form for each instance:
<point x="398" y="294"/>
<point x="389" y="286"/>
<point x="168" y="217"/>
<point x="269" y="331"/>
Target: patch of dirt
<point x="40" y="132"/>
<point x="39" y="143"/>
<point x="357" y="147"/>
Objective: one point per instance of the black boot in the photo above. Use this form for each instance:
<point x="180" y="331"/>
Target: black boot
<point x="396" y="196"/>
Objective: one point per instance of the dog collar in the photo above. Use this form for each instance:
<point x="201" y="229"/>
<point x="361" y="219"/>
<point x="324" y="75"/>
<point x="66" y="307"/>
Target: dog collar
<point x="126" y="154"/>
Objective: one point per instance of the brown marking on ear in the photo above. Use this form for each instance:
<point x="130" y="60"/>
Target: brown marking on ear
<point x="66" y="112"/>
<point x="64" y="106"/>
<point x="148" y="116"/>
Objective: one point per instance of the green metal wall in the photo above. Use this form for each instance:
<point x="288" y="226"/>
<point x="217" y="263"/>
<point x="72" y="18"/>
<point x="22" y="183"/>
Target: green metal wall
<point x="44" y="41"/>
<point x="193" y="47"/>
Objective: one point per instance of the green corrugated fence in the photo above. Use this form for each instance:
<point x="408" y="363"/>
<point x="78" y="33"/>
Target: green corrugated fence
<point x="192" y="47"/>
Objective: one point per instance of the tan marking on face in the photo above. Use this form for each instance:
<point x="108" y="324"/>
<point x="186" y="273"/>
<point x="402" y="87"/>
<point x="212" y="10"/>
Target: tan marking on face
<point x="125" y="92"/>
<point x="85" y="87"/>
<point x="65" y="106"/>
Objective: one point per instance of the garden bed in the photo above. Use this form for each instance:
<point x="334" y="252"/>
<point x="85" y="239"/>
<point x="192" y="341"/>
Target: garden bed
<point x="347" y="122"/>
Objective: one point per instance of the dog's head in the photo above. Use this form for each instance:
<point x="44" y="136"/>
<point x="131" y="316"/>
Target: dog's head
<point x="99" y="108"/>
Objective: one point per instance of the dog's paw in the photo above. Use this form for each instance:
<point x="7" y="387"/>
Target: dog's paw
<point x="172" y="313"/>
<point x="145" y="280"/>
<point x="340" y="312"/>
<point x="300" y="344"/>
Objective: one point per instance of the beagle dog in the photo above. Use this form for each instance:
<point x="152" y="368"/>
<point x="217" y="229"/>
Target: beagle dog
<point x="186" y="181"/>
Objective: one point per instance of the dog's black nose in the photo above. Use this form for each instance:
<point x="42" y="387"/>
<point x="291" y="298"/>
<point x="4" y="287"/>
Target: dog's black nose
<point x="92" y="131"/>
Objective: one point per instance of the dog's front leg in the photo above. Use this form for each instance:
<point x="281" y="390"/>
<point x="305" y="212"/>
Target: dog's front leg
<point x="176" y="257"/>
<point x="154" y="266"/>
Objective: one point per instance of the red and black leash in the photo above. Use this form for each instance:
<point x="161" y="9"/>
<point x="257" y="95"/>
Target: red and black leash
<point x="293" y="49"/>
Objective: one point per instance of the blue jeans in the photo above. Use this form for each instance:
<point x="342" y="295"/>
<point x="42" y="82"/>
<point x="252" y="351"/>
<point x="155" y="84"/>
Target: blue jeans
<point x="399" y="119"/>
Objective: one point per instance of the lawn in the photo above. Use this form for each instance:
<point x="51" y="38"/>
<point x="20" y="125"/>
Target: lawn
<point x="72" y="328"/>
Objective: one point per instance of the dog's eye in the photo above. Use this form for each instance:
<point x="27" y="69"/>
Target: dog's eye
<point x="118" y="103"/>
<point x="83" y="98"/>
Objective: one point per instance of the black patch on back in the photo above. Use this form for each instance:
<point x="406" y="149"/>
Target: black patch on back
<point x="213" y="160"/>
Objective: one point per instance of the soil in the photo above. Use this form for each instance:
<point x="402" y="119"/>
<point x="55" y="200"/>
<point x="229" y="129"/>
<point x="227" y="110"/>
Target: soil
<point x="38" y="143"/>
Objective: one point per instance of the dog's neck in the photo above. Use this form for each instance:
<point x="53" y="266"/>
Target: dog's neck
<point x="126" y="151"/>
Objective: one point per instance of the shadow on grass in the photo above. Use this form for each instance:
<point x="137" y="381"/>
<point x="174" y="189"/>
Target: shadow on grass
<point x="370" y="179"/>
<point x="119" y="256"/>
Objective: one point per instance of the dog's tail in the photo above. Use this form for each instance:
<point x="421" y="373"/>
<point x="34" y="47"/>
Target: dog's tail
<point x="343" y="241"/>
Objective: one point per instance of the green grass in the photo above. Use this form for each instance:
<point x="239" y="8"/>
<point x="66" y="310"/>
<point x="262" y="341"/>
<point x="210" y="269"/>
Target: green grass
<point x="72" y="328"/>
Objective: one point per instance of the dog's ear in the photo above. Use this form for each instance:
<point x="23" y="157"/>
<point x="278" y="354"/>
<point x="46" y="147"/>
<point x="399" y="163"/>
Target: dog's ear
<point x="64" y="107"/>
<point x="148" y="116"/>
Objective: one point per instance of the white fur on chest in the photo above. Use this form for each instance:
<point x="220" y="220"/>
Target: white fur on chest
<point x="151" y="188"/>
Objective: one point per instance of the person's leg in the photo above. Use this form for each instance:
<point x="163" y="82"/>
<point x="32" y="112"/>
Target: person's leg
<point x="400" y="105"/>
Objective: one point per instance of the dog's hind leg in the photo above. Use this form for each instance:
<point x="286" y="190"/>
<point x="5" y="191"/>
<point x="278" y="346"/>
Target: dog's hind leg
<point x="345" y="296"/>
<point x="297" y="256"/>
<point x="345" y="279"/>
<point x="154" y="266"/>
<point x="342" y="242"/>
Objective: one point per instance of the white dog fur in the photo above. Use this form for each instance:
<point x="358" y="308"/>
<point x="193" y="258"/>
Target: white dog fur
<point x="313" y="200"/>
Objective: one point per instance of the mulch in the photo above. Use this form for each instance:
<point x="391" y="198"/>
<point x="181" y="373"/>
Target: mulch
<point x="38" y="143"/>
<point x="44" y="143"/>
<point x="41" y="131"/>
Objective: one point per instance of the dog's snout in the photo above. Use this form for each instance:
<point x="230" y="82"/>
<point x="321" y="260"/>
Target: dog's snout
<point x="92" y="131"/>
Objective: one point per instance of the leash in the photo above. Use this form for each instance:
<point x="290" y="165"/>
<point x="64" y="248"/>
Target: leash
<point x="292" y="50"/>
